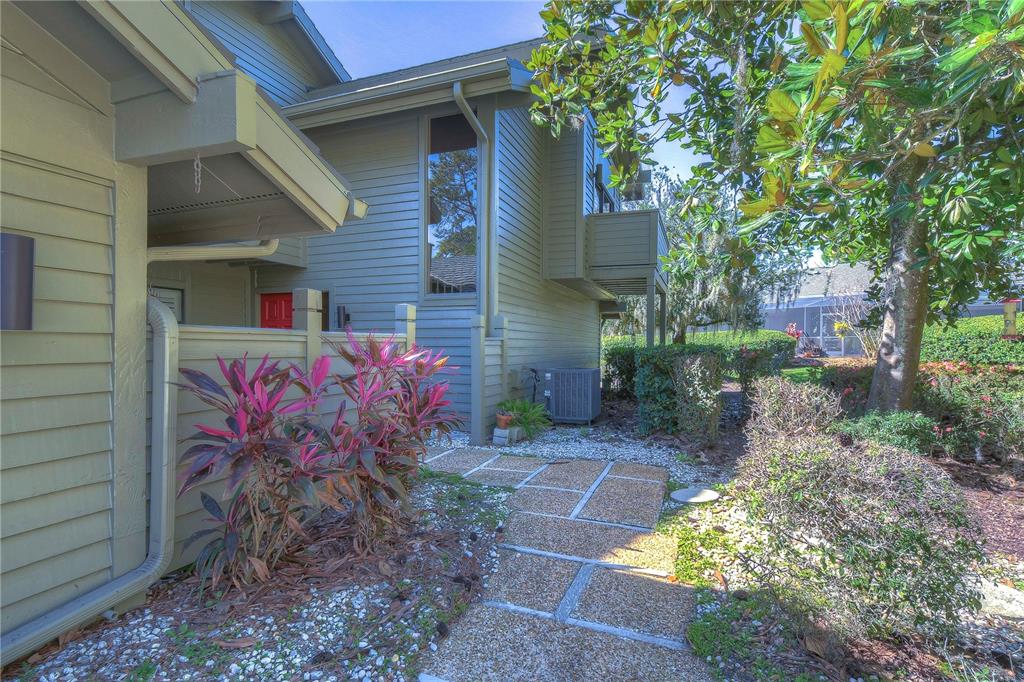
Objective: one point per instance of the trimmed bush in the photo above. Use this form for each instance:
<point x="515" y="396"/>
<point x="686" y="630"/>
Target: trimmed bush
<point x="978" y="409"/>
<point x="910" y="431"/>
<point x="784" y="409"/>
<point x="744" y="355"/>
<point x="618" y="356"/>
<point x="976" y="340"/>
<point x="698" y="383"/>
<point x="870" y="539"/>
<point x="656" y="389"/>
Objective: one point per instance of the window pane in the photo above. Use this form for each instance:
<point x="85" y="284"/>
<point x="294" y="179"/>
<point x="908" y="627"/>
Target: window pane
<point x="451" y="232"/>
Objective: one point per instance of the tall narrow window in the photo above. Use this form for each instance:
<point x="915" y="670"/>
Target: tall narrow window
<point x="453" y="191"/>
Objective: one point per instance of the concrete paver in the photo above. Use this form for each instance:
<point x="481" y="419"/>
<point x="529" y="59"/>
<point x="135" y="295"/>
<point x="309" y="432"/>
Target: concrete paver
<point x="623" y="500"/>
<point x="531" y="581"/>
<point x="494" y="644"/>
<point x="576" y="475"/>
<point x="461" y="460"/>
<point x="645" y="471"/>
<point x="609" y="544"/>
<point x="642" y="603"/>
<point x="500" y="477"/>
<point x="544" y="500"/>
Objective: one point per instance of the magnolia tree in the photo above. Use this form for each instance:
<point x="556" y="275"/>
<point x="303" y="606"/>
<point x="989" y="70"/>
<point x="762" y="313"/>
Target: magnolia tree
<point x="876" y="131"/>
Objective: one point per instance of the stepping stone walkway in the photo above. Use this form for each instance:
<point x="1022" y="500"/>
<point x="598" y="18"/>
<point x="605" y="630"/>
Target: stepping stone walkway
<point x="581" y="591"/>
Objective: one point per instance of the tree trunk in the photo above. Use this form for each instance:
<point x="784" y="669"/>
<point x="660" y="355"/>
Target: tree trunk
<point x="904" y="300"/>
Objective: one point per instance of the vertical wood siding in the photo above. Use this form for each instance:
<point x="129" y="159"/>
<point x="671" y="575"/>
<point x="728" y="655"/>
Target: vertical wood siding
<point x="263" y="51"/>
<point x="373" y="264"/>
<point x="548" y="324"/>
<point x="56" y="381"/>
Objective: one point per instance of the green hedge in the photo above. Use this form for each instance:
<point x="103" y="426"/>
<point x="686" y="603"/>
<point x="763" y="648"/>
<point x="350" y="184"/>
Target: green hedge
<point x="976" y="340"/>
<point x="618" y="356"/>
<point x="743" y="355"/>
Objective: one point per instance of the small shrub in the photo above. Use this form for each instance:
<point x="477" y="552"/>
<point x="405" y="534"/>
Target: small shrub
<point x="782" y="409"/>
<point x="910" y="431"/>
<point x="698" y="387"/>
<point x="976" y="340"/>
<point x="746" y="355"/>
<point x="657" y="404"/>
<point x="618" y="357"/>
<point x="530" y="416"/>
<point x="870" y="539"/>
<point x="851" y="381"/>
<point x="283" y="464"/>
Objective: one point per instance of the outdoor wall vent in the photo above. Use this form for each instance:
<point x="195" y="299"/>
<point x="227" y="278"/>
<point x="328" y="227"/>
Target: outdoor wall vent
<point x="17" y="258"/>
<point x="573" y="395"/>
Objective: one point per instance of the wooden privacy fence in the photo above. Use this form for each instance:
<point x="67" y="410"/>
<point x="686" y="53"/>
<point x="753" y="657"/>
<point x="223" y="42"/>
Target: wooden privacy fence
<point x="200" y="346"/>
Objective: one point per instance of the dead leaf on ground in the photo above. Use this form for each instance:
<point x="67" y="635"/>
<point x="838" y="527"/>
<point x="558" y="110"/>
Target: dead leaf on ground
<point x="240" y="643"/>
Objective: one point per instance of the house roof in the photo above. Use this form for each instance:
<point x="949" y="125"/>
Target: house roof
<point x="484" y="72"/>
<point x="458" y="272"/>
<point x="836" y="279"/>
<point x="310" y="40"/>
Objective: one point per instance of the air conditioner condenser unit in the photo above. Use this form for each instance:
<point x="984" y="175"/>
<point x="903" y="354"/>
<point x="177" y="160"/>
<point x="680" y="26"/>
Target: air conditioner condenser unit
<point x="573" y="395"/>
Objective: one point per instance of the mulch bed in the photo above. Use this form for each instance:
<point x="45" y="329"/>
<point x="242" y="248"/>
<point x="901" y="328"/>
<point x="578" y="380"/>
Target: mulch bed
<point x="997" y="498"/>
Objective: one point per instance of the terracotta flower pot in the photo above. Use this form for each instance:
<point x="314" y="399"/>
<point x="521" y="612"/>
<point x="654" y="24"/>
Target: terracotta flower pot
<point x="504" y="420"/>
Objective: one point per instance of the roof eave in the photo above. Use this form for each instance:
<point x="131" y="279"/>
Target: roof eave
<point x="485" y="78"/>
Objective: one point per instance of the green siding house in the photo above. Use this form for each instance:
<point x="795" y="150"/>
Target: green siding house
<point x="204" y="178"/>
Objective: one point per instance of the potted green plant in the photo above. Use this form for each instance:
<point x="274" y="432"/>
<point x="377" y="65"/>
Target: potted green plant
<point x="504" y="418"/>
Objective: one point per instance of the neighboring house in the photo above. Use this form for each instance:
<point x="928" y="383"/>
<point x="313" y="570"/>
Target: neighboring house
<point x="156" y="147"/>
<point x="824" y="292"/>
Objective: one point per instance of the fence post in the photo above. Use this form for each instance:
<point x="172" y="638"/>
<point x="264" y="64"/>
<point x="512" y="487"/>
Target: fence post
<point x="405" y="323"/>
<point x="307" y="316"/>
<point x="477" y="331"/>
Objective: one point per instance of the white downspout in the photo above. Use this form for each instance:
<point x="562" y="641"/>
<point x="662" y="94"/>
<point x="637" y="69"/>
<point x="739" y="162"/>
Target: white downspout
<point x="34" y="634"/>
<point x="267" y="247"/>
<point x="489" y="304"/>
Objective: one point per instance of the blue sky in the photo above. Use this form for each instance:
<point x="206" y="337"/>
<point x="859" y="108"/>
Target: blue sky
<point x="376" y="36"/>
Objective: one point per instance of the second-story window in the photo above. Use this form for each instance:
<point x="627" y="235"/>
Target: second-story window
<point x="452" y="191"/>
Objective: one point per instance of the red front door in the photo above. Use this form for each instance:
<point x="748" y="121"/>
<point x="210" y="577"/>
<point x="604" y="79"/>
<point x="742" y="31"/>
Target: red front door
<point x="276" y="310"/>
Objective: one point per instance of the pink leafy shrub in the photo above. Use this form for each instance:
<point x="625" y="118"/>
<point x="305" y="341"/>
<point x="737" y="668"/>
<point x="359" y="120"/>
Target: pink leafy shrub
<point x="283" y="463"/>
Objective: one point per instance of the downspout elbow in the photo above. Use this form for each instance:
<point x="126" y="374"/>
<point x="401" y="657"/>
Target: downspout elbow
<point x="467" y="111"/>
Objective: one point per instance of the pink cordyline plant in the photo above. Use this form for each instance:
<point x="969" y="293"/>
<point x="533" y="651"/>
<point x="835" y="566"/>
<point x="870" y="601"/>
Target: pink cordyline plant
<point x="282" y="463"/>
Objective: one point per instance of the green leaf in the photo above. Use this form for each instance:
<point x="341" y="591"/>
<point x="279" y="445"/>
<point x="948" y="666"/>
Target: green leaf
<point x="781" y="106"/>
<point x="816" y="9"/>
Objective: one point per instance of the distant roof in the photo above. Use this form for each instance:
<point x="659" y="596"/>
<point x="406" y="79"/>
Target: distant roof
<point x="836" y="279"/>
<point x="458" y="272"/>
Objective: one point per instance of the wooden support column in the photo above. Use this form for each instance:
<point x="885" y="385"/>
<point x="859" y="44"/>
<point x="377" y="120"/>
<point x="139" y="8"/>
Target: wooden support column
<point x="651" y="309"/>
<point x="405" y="323"/>
<point x="662" y="317"/>
<point x="307" y="315"/>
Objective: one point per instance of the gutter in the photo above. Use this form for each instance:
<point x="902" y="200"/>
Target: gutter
<point x="28" y="637"/>
<point x="489" y="304"/>
<point x="267" y="247"/>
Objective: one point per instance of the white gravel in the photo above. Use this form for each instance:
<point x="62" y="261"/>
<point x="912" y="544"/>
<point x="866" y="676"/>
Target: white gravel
<point x="603" y="443"/>
<point x="294" y="645"/>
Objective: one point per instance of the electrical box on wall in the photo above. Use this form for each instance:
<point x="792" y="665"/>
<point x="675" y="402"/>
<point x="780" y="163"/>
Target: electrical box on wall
<point x="17" y="262"/>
